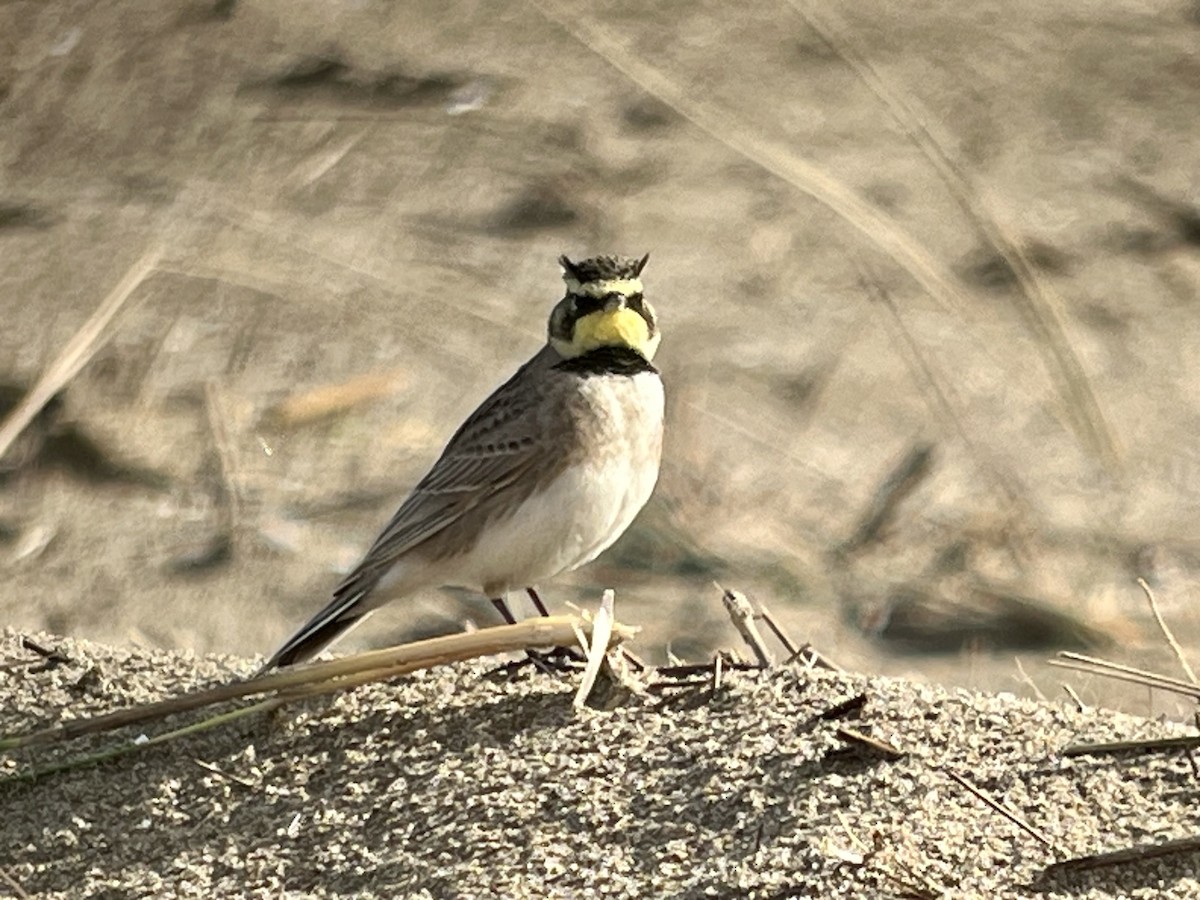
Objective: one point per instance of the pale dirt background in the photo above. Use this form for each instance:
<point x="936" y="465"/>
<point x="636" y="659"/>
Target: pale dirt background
<point x="356" y="188"/>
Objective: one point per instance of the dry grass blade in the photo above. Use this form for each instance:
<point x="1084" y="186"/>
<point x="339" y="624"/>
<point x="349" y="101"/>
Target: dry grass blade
<point x="336" y="675"/>
<point x="82" y="346"/>
<point x="1167" y="633"/>
<point x="910" y="879"/>
<point x="1041" y="305"/>
<point x="1095" y="666"/>
<point x="126" y="748"/>
<point x="296" y="242"/>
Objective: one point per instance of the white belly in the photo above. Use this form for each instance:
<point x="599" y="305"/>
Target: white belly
<point x="583" y="511"/>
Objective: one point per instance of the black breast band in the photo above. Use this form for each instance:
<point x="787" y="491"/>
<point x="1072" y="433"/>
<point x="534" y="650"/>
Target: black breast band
<point x="607" y="361"/>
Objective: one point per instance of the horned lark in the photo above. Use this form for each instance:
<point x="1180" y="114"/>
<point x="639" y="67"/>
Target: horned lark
<point x="541" y="478"/>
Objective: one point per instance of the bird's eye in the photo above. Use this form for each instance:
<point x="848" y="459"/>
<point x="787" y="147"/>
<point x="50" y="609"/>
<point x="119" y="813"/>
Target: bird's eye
<point x="634" y="302"/>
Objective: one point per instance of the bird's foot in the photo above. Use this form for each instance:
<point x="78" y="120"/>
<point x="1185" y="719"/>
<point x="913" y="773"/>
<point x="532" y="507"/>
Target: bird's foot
<point x="557" y="661"/>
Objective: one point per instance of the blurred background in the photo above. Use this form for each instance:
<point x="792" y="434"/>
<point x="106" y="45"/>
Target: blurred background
<point x="929" y="277"/>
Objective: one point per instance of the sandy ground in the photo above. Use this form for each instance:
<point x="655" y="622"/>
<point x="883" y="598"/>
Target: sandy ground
<point x="376" y="190"/>
<point x="467" y="782"/>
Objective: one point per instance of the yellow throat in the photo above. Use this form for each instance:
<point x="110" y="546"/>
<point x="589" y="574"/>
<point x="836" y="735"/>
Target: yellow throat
<point x="619" y="327"/>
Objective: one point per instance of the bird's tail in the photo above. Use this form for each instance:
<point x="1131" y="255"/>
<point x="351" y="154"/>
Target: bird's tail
<point x="323" y="629"/>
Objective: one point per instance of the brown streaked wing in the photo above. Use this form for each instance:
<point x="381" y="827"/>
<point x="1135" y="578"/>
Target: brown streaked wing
<point x="492" y="460"/>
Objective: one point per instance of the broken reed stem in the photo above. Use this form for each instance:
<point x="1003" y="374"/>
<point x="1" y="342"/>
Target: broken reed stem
<point x="82" y="346"/>
<point x="1166" y="630"/>
<point x="336" y="675"/>
<point x="597" y="648"/>
<point x="741" y="613"/>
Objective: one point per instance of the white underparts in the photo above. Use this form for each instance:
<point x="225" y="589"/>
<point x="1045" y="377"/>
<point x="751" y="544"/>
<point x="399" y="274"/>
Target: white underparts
<point x="574" y="519"/>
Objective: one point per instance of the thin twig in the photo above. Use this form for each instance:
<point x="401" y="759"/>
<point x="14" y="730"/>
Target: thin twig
<point x="940" y="394"/>
<point x="228" y="494"/>
<point x="999" y="808"/>
<point x="221" y="773"/>
<point x="844" y="708"/>
<point x="1079" y="704"/>
<point x="813" y="659"/>
<point x="17" y="890"/>
<point x="900" y="482"/>
<point x="688" y="670"/>
<point x="1166" y="630"/>
<point x="780" y="635"/>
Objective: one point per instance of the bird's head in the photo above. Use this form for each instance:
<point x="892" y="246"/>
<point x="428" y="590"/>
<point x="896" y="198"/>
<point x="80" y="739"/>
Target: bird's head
<point x="603" y="307"/>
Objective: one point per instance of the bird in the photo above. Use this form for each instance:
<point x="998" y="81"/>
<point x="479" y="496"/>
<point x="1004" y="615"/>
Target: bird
<point x="540" y="479"/>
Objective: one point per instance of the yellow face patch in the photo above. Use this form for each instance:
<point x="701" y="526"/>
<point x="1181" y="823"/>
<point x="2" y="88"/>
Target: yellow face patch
<point x="616" y="328"/>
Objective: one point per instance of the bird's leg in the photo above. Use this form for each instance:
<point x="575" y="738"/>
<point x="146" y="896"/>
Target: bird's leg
<point x="560" y="656"/>
<point x="537" y="602"/>
<point x="571" y="653"/>
<point x="556" y="660"/>
<point x="501" y="604"/>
